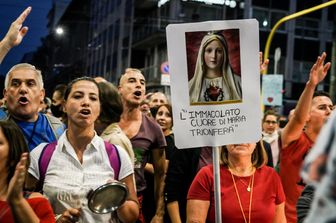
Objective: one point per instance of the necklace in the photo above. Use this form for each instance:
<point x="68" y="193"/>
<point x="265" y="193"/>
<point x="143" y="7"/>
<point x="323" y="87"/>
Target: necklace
<point x="239" y="201"/>
<point x="248" y="186"/>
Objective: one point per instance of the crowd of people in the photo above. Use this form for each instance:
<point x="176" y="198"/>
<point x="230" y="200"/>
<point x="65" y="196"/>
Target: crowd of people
<point x="93" y="133"/>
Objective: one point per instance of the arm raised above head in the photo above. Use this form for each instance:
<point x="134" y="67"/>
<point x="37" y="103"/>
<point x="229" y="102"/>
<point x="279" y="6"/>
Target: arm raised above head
<point x="15" y="34"/>
<point x="294" y="127"/>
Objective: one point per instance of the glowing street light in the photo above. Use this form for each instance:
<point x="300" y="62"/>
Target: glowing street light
<point x="233" y="4"/>
<point x="265" y="23"/>
<point x="59" y="31"/>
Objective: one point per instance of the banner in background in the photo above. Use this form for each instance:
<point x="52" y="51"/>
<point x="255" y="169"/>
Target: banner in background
<point x="272" y="89"/>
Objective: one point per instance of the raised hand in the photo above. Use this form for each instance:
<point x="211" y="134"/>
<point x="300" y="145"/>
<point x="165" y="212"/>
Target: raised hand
<point x="319" y="70"/>
<point x="14" y="192"/>
<point x="16" y="32"/>
<point x="262" y="64"/>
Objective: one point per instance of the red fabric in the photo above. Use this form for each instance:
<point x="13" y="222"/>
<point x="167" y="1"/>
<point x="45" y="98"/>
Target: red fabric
<point x="291" y="160"/>
<point x="267" y="193"/>
<point x="40" y="206"/>
<point x="141" y="218"/>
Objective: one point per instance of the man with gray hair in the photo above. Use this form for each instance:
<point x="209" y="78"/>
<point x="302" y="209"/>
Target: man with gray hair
<point x="157" y="99"/>
<point x="23" y="94"/>
<point x="147" y="140"/>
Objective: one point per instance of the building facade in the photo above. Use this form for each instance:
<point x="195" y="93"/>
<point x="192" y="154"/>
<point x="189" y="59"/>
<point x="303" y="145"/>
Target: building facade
<point x="131" y="33"/>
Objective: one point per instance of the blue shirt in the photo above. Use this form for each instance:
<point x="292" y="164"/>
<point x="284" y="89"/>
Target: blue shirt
<point x="37" y="132"/>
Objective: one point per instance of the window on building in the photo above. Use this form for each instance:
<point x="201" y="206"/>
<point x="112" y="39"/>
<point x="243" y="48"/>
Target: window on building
<point x="307" y="28"/>
<point x="305" y="4"/>
<point x="275" y="17"/>
<point x="117" y="29"/>
<point x="283" y="4"/>
<point x="261" y="3"/>
<point x="108" y="63"/>
<point x="114" y="60"/>
<point x="306" y="50"/>
<point x="110" y="34"/>
<point x="268" y="18"/>
<point x="331" y="13"/>
<point x="112" y="6"/>
<point x="128" y="9"/>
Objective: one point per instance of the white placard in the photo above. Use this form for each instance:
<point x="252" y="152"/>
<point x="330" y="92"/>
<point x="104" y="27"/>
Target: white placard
<point x="272" y="89"/>
<point x="165" y="79"/>
<point x="219" y="111"/>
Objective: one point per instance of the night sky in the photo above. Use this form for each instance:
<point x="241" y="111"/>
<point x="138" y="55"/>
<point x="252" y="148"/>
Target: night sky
<point x="36" y="22"/>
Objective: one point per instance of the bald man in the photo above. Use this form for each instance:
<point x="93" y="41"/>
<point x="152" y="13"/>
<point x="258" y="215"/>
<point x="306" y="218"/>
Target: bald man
<point x="146" y="138"/>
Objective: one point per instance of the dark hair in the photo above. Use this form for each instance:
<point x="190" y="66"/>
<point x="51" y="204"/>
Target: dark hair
<point x="69" y="87"/>
<point x="61" y="89"/>
<point x="169" y="107"/>
<point x="111" y="104"/>
<point x="271" y="112"/>
<point x="258" y="159"/>
<point x="16" y="145"/>
<point x="321" y="93"/>
<point x="47" y="101"/>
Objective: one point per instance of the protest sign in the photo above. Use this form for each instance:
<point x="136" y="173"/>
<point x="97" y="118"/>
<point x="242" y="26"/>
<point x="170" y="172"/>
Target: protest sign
<point x="272" y="89"/>
<point x="215" y="99"/>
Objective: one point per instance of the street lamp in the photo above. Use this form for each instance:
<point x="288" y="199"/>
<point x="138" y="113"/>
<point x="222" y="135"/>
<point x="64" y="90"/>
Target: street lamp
<point x="59" y="31"/>
<point x="265" y="23"/>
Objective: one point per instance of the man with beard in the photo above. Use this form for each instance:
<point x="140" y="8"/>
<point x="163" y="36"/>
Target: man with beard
<point x="146" y="138"/>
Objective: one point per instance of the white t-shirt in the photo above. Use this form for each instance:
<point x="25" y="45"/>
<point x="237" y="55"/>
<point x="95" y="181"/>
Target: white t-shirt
<point x="67" y="181"/>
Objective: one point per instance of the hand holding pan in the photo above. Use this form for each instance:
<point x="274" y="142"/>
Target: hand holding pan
<point x="107" y="198"/>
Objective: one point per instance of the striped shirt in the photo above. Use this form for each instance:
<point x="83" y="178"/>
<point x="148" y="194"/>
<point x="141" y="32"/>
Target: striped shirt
<point x="67" y="181"/>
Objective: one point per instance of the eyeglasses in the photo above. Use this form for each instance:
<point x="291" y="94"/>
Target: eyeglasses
<point x="271" y="122"/>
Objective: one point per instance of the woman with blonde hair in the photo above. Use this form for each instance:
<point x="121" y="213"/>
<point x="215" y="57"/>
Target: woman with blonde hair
<point x="250" y="190"/>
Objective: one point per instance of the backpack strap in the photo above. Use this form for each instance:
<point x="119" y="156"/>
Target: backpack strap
<point x="49" y="149"/>
<point x="56" y="125"/>
<point x="43" y="162"/>
<point x="114" y="158"/>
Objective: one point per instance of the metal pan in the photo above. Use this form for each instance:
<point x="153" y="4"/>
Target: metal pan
<point x="107" y="198"/>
